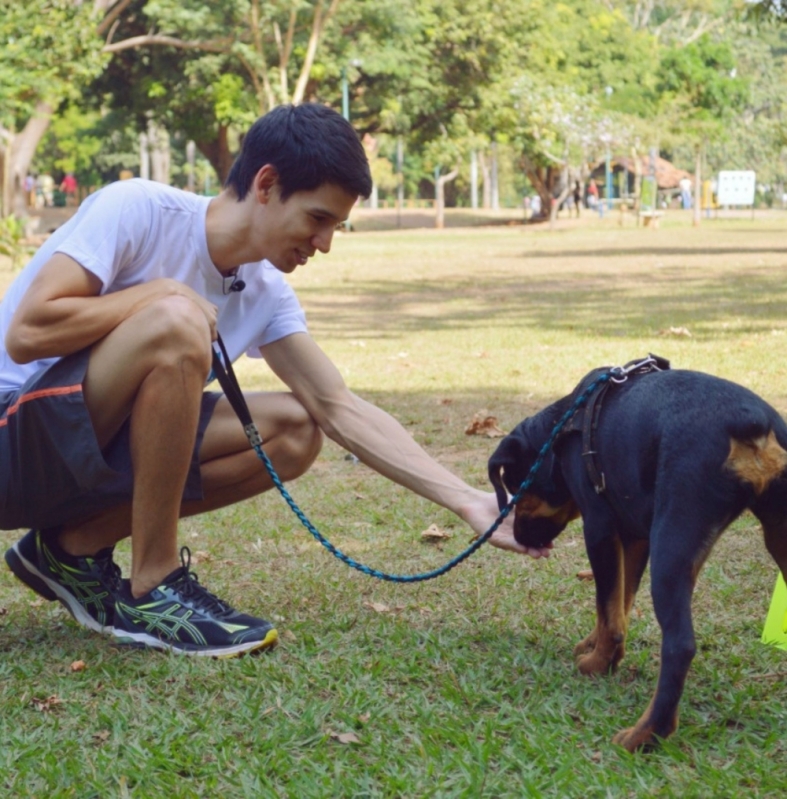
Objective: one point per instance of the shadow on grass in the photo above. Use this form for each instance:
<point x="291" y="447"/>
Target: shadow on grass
<point x="612" y="305"/>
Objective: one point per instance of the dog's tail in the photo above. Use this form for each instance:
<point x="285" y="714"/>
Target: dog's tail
<point x="757" y="456"/>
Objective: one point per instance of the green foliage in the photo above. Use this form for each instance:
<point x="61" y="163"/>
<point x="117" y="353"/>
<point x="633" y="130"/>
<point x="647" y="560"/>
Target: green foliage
<point x="48" y="51"/>
<point x="12" y="245"/>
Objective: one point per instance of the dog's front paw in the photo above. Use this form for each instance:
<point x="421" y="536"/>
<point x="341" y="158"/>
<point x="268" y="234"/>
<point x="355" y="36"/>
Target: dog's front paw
<point x="586" y="645"/>
<point x="594" y="663"/>
<point x="634" y="738"/>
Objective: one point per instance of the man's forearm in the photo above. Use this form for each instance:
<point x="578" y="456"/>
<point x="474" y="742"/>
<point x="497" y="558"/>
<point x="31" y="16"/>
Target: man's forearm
<point x="380" y="442"/>
<point x="57" y="326"/>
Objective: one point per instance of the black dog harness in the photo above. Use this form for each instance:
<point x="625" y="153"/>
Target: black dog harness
<point x="586" y="422"/>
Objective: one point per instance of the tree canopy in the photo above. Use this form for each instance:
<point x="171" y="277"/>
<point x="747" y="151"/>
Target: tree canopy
<point x="553" y="83"/>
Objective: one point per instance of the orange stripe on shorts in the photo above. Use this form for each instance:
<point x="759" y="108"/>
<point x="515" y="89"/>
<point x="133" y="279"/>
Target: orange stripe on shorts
<point x="42" y="392"/>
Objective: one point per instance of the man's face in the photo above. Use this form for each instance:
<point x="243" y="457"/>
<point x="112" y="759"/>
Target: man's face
<point x="303" y="224"/>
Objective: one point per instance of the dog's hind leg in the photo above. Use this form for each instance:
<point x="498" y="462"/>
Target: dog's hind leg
<point x="675" y="563"/>
<point x="771" y="510"/>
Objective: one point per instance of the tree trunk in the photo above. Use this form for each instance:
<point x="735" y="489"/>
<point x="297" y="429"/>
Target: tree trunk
<point x="486" y="181"/>
<point x="541" y="180"/>
<point x="556" y="201"/>
<point x="494" y="175"/>
<point x="218" y="153"/>
<point x="159" y="153"/>
<point x="21" y="149"/>
<point x="697" y="186"/>
<point x="439" y="202"/>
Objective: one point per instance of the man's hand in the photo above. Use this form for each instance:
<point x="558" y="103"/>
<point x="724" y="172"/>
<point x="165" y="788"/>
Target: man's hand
<point x="481" y="516"/>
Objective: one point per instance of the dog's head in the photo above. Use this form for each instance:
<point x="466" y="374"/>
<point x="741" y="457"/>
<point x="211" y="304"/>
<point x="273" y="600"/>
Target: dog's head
<point x="547" y="507"/>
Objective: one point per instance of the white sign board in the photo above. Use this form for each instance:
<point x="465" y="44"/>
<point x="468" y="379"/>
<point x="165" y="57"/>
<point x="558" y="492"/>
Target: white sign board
<point x="736" y="188"/>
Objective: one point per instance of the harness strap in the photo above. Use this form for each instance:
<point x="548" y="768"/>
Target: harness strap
<point x="587" y="422"/>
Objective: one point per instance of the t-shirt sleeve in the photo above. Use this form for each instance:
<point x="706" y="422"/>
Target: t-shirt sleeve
<point x="288" y="319"/>
<point x="111" y="232"/>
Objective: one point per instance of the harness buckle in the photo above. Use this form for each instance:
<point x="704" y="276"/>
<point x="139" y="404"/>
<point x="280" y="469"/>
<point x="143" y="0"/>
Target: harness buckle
<point x="653" y="363"/>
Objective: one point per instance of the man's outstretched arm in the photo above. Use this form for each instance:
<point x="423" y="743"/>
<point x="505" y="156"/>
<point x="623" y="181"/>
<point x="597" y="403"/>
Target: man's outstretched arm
<point x="377" y="439"/>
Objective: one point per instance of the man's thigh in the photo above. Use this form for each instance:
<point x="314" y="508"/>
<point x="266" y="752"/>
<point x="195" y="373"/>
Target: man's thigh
<point x="52" y="469"/>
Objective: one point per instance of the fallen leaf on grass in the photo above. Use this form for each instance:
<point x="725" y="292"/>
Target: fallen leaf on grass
<point x="434" y="533"/>
<point x="445" y="401"/>
<point x="364" y="718"/>
<point x="3" y="611"/>
<point x="585" y="574"/>
<point x="379" y="607"/>
<point x="100" y="737"/>
<point x="78" y="665"/>
<point x="483" y="424"/>
<point x="675" y="331"/>
<point x="344" y="737"/>
<point x="46" y="705"/>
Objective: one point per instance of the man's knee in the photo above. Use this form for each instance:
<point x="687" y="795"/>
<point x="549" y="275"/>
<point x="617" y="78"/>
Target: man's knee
<point x="304" y="437"/>
<point x="174" y="329"/>
<point x="295" y="439"/>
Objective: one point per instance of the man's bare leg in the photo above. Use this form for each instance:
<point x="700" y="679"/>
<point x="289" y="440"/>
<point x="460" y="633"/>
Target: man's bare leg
<point x="231" y="470"/>
<point x="151" y="369"/>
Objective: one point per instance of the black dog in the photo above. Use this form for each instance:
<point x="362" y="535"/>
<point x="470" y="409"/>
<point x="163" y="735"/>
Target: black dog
<point x="658" y="465"/>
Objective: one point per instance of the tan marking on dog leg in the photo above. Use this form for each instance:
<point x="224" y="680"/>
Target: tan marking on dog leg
<point x="643" y="735"/>
<point x="587" y="644"/>
<point x="757" y="462"/>
<point x="610" y="629"/>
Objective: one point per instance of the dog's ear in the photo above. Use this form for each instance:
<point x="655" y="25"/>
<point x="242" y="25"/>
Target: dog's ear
<point x="503" y="460"/>
<point x="496" y="477"/>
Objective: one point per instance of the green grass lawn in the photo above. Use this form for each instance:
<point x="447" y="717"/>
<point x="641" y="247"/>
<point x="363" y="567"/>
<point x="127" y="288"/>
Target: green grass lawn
<point x="463" y="686"/>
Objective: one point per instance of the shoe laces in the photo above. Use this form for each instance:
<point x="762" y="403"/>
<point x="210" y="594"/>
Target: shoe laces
<point x="109" y="570"/>
<point x="189" y="587"/>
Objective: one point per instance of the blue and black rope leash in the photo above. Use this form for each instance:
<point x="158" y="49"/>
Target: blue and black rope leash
<point x="224" y="373"/>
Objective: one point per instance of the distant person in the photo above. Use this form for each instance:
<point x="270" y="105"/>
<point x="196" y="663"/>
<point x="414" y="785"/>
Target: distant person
<point x="106" y="340"/>
<point x="593" y="198"/>
<point x="69" y="187"/>
<point x="684" y="184"/>
<point x="577" y="194"/>
<point x="45" y="190"/>
<point x="535" y="205"/>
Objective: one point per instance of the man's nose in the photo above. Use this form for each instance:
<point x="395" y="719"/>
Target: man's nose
<point x="322" y="241"/>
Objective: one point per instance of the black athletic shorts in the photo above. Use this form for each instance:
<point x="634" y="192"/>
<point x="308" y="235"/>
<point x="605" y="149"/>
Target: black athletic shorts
<point x="51" y="468"/>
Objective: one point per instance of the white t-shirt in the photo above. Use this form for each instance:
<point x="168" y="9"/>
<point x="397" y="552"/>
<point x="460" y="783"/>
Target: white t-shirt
<point x="135" y="231"/>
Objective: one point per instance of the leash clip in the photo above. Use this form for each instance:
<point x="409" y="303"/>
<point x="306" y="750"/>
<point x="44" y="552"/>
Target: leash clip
<point x="255" y="439"/>
<point x="653" y="363"/>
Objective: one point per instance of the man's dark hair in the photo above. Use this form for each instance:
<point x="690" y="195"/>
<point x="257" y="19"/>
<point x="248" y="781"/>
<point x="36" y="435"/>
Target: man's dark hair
<point x="309" y="145"/>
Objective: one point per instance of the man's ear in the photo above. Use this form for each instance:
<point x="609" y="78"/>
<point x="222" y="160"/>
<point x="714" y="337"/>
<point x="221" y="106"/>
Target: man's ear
<point x="266" y="179"/>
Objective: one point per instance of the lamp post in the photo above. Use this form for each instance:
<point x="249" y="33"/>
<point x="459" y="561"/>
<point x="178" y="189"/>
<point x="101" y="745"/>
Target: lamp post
<point x="356" y="62"/>
<point x="607" y="166"/>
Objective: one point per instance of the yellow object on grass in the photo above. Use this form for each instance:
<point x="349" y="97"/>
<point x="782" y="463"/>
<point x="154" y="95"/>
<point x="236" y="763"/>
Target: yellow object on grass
<point x="775" y="630"/>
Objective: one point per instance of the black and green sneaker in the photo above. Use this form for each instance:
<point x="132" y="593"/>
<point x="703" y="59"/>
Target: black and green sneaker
<point x="86" y="585"/>
<point x="182" y="616"/>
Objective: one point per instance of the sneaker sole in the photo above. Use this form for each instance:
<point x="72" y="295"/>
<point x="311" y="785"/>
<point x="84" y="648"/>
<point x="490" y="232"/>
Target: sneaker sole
<point x="25" y="571"/>
<point x="145" y="641"/>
